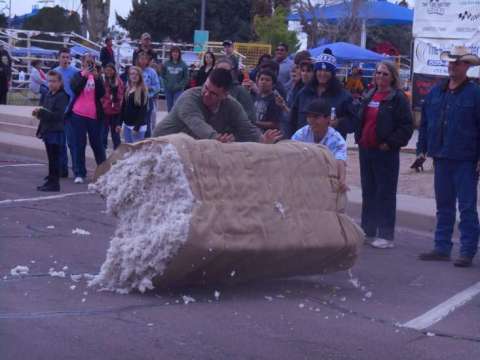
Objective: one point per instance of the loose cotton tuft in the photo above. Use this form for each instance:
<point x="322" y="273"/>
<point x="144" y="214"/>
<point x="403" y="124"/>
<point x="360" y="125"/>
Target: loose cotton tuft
<point x="149" y="193"/>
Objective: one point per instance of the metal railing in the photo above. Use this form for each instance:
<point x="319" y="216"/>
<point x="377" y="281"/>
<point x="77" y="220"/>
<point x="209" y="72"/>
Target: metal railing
<point x="26" y="46"/>
<point x="37" y="48"/>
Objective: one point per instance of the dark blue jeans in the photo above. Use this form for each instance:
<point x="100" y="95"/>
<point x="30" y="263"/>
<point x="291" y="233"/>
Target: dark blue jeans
<point x="379" y="177"/>
<point x="171" y="97"/>
<point x="110" y="126"/>
<point x="456" y="181"/>
<point x="94" y="128"/>
<point x="70" y="141"/>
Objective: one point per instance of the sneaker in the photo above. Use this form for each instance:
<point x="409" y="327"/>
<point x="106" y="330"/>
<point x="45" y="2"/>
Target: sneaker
<point x="434" y="256"/>
<point x="78" y="180"/>
<point x="463" y="261"/>
<point x="380" y="243"/>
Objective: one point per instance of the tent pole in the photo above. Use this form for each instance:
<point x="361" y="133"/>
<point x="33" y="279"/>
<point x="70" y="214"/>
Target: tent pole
<point x="363" y="39"/>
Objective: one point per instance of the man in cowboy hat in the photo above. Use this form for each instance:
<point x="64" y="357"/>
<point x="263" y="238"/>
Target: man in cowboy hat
<point x="450" y="134"/>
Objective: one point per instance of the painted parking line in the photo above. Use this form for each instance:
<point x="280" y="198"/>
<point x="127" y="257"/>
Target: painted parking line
<point x="439" y="312"/>
<point x="21" y="165"/>
<point x="42" y="198"/>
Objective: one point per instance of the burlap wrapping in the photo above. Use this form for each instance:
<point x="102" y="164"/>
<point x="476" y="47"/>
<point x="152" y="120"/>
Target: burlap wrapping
<point x="263" y="211"/>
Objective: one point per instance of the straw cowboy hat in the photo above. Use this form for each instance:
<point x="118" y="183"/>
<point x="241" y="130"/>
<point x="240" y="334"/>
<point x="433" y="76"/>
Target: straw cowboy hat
<point x="460" y="53"/>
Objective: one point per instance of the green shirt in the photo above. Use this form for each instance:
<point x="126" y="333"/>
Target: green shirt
<point x="191" y="116"/>
<point x="175" y="75"/>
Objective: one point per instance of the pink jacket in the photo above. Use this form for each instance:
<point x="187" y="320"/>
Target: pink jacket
<point x="113" y="106"/>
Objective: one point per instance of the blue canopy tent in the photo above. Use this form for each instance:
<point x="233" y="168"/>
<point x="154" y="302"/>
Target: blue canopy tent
<point x="371" y="13"/>
<point x="345" y="52"/>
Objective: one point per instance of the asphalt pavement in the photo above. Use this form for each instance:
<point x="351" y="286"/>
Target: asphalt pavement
<point x="352" y="315"/>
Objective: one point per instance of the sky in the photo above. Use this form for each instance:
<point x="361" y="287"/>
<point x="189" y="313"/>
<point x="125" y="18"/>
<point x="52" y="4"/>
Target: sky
<point x="20" y="7"/>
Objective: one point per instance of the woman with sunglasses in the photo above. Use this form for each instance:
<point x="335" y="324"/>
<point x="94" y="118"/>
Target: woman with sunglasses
<point x="385" y="126"/>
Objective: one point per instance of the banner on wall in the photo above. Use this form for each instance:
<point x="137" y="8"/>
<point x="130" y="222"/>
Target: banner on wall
<point x="426" y="55"/>
<point x="446" y="19"/>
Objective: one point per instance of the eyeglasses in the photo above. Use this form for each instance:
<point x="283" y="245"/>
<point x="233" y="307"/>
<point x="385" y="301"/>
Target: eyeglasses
<point x="280" y="49"/>
<point x="385" y="74"/>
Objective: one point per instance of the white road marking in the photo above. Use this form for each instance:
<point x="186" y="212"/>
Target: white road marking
<point x="444" y="309"/>
<point x="42" y="198"/>
<point x="21" y="165"/>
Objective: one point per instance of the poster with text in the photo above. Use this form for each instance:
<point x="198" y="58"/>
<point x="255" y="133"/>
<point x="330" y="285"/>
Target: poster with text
<point x="426" y="55"/>
<point x="454" y="19"/>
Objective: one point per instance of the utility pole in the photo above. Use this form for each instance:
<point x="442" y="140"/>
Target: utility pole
<point x="202" y="15"/>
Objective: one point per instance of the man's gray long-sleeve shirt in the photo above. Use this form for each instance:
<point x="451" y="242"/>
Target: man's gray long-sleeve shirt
<point x="191" y="116"/>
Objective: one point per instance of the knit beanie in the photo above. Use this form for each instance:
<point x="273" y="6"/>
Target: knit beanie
<point x="326" y="62"/>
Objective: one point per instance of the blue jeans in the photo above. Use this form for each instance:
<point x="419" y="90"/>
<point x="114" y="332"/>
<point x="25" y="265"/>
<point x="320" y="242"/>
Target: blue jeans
<point x="130" y="136"/>
<point x="110" y="126"/>
<point x="171" y="97"/>
<point x="379" y="177"/>
<point x="454" y="181"/>
<point x="94" y="128"/>
<point x="69" y="139"/>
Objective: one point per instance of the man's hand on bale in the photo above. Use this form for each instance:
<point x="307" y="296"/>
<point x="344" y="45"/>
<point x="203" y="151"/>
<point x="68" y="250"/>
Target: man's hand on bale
<point x="225" y="138"/>
<point x="271" y="136"/>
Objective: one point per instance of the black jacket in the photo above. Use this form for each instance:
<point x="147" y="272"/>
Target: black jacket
<point x="5" y="68"/>
<point x="78" y="83"/>
<point x="52" y="112"/>
<point x="394" y="119"/>
<point x="133" y="115"/>
<point x="106" y="57"/>
<point x="202" y="75"/>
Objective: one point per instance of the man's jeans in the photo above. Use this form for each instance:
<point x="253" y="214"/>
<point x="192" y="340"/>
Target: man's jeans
<point x="456" y="180"/>
<point x="379" y="177"/>
<point x="94" y="128"/>
<point x="70" y="141"/>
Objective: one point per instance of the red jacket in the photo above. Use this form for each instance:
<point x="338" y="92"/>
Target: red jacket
<point x="113" y="106"/>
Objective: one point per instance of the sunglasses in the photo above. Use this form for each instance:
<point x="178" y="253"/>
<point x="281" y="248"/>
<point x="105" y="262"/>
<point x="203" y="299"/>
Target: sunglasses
<point x="385" y="74"/>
